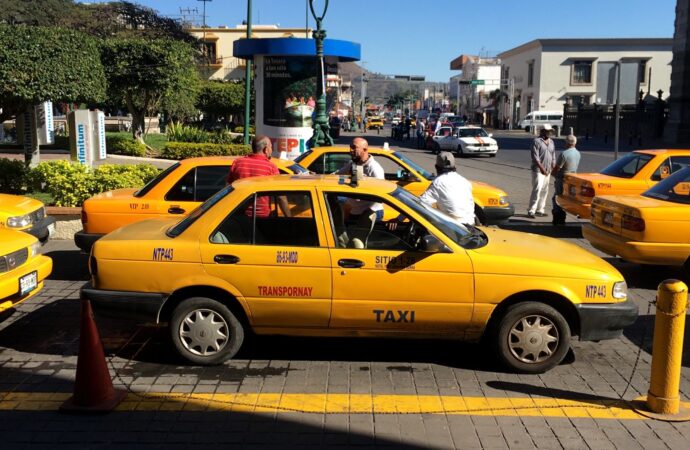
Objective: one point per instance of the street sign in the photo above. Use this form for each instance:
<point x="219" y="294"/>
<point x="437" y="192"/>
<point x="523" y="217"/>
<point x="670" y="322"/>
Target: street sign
<point x="476" y="82"/>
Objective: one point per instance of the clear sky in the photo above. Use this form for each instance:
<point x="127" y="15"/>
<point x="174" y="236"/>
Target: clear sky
<point x="421" y="37"/>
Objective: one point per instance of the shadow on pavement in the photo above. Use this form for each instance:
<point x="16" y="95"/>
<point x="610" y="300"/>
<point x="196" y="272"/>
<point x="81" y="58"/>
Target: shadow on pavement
<point x="642" y="333"/>
<point x="570" y="230"/>
<point x="647" y="276"/>
<point x="69" y="265"/>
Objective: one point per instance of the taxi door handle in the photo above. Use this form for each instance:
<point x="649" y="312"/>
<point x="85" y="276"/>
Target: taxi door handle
<point x="226" y="259"/>
<point x="175" y="210"/>
<point x="350" y="263"/>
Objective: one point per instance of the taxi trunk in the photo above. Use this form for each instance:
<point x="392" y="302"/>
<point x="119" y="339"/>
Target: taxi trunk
<point x="579" y="190"/>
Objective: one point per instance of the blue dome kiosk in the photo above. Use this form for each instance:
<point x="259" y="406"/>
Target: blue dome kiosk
<point x="285" y="77"/>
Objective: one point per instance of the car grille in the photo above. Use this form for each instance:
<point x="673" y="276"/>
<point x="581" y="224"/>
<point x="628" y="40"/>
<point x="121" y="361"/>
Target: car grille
<point x="14" y="259"/>
<point x="38" y="215"/>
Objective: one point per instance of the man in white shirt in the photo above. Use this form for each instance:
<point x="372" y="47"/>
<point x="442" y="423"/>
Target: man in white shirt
<point x="450" y="191"/>
<point x="363" y="212"/>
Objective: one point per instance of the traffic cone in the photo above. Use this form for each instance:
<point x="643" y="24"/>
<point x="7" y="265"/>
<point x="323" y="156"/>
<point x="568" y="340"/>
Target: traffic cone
<point x="93" y="388"/>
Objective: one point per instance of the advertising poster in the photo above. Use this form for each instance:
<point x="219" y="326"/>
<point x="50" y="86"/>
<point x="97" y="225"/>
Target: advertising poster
<point x="286" y="101"/>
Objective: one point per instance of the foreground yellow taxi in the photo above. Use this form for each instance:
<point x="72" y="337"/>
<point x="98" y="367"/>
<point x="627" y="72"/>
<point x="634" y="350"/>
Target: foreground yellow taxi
<point x="491" y="205"/>
<point x="239" y="263"/>
<point x="175" y="191"/>
<point x="22" y="268"/>
<point x="631" y="175"/>
<point x="652" y="228"/>
<point x="27" y="215"/>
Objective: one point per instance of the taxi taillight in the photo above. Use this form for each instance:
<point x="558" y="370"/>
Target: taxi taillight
<point x="632" y="223"/>
<point x="84" y="217"/>
<point x="587" y="191"/>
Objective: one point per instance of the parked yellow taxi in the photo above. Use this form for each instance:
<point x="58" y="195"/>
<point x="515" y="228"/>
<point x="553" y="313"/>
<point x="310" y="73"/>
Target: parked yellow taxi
<point x="491" y="204"/>
<point x="374" y="122"/>
<point x="175" y="191"/>
<point x="631" y="175"/>
<point x="652" y="228"/>
<point x="239" y="262"/>
<point x="27" y="215"/>
<point x="22" y="268"/>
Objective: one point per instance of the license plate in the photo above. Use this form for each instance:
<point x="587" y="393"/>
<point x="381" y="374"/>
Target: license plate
<point x="571" y="190"/>
<point x="607" y="219"/>
<point x="51" y="230"/>
<point x="28" y="283"/>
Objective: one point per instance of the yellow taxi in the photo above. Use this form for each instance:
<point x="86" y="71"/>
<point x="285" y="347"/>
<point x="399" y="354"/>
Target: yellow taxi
<point x="652" y="228"/>
<point x="175" y="191"/>
<point x="631" y="175"/>
<point x="27" y="215"/>
<point x="374" y="122"/>
<point x="491" y="204"/>
<point x="240" y="263"/>
<point x="22" y="268"/>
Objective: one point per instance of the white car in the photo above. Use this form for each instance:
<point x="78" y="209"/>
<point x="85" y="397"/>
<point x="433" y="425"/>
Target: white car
<point x="466" y="141"/>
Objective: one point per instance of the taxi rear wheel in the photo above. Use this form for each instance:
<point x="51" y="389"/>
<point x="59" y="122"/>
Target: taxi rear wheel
<point x="205" y="332"/>
<point x="532" y="337"/>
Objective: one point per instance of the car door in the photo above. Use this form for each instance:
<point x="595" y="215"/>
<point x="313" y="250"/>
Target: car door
<point x="384" y="284"/>
<point x="194" y="187"/>
<point x="280" y="264"/>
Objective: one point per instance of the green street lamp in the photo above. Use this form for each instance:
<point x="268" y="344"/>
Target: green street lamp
<point x="321" y="136"/>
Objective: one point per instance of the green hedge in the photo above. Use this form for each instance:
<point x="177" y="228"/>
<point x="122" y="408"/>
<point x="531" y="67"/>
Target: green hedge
<point x="69" y="184"/>
<point x="184" y="150"/>
<point x="124" y="145"/>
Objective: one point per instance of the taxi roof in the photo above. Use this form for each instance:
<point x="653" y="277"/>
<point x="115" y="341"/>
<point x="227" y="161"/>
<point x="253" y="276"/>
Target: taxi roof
<point x="211" y="160"/>
<point x="665" y="151"/>
<point x="365" y="185"/>
<point x="343" y="148"/>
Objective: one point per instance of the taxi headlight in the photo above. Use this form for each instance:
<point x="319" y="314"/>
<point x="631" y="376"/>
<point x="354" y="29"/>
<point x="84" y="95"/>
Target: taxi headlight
<point x="19" y="221"/>
<point x="34" y="249"/>
<point x="503" y="200"/>
<point x="620" y="290"/>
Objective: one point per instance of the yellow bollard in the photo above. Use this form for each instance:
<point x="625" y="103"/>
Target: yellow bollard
<point x="663" y="399"/>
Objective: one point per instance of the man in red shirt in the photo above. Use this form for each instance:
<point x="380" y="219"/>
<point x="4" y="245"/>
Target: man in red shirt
<point x="257" y="164"/>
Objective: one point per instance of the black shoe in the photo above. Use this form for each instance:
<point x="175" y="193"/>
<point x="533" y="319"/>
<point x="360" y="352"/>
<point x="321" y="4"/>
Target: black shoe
<point x="530" y="215"/>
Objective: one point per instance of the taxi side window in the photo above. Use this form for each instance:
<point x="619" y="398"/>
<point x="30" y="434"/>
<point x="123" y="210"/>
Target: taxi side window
<point x="662" y="171"/>
<point x="199" y="184"/>
<point x="679" y="163"/>
<point x="367" y="230"/>
<point x="271" y="218"/>
<point x="392" y="170"/>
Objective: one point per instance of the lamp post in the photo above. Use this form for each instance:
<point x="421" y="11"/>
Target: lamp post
<point x="247" y="78"/>
<point x="321" y="134"/>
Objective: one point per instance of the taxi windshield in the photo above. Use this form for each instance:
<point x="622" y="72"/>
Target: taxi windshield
<point x="472" y="132"/>
<point x="152" y="184"/>
<point x="675" y="188"/>
<point x="417" y="168"/>
<point x="185" y="223"/>
<point x="466" y="237"/>
<point x="627" y="166"/>
<point x="301" y="157"/>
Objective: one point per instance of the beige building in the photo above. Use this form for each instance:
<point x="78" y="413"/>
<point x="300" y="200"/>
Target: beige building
<point x="222" y="65"/>
<point x="547" y="73"/>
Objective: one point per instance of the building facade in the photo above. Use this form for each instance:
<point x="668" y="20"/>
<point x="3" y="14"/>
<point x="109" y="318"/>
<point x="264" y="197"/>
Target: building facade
<point x="545" y="74"/>
<point x="472" y="89"/>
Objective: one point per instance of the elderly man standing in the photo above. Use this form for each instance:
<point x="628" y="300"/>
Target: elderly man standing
<point x="567" y="162"/>
<point x="543" y="160"/>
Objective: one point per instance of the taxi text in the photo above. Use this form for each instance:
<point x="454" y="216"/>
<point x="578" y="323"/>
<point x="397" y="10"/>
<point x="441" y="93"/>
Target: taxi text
<point x="398" y="316"/>
<point x="285" y="291"/>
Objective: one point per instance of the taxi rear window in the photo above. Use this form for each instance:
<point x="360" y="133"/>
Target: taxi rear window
<point x="185" y="223"/>
<point x="153" y="183"/>
<point x="627" y="166"/>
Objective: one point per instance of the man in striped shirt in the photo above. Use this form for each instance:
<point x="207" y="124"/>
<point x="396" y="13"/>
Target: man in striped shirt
<point x="258" y="164"/>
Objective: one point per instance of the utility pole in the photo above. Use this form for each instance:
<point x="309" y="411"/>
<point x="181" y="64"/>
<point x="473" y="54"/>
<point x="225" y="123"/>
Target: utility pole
<point x="247" y="78"/>
<point x="617" y="110"/>
<point x="204" y="16"/>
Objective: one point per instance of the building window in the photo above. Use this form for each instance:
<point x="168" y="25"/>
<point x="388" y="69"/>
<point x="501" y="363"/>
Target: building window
<point x="209" y="51"/>
<point x="581" y="72"/>
<point x="642" y="71"/>
<point x="530" y="73"/>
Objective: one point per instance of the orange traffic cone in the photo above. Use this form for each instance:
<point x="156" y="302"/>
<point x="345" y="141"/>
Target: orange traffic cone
<point x="93" y="388"/>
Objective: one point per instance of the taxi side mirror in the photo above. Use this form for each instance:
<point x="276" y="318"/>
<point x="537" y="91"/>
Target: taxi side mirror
<point x="408" y="177"/>
<point x="431" y="244"/>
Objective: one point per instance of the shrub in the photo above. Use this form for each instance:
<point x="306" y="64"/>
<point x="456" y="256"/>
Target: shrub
<point x="12" y="176"/>
<point x="70" y="183"/>
<point x="124" y="145"/>
<point x="240" y="129"/>
<point x="183" y="150"/>
<point x="183" y="133"/>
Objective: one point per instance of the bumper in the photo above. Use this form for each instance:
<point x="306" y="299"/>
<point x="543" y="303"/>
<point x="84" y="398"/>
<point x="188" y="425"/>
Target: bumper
<point x="43" y="229"/>
<point x="140" y="306"/>
<point x="9" y="281"/>
<point x="480" y="150"/>
<point x="86" y="240"/>
<point x="494" y="215"/>
<point x="581" y="210"/>
<point x="636" y="252"/>
<point x="605" y="321"/>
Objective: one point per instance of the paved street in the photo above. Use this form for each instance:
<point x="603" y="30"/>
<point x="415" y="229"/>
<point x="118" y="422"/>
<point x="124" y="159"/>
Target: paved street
<point x="337" y="393"/>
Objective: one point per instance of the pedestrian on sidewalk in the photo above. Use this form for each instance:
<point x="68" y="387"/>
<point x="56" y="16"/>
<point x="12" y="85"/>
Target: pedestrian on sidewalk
<point x="567" y="162"/>
<point x="543" y="160"/>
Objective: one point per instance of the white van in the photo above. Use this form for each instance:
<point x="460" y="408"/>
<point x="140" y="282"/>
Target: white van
<point x="541" y="118"/>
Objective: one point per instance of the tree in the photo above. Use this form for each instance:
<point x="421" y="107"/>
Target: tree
<point x="219" y="100"/>
<point x="142" y="72"/>
<point x="39" y="64"/>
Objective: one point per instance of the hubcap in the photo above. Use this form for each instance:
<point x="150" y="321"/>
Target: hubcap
<point x="204" y="332"/>
<point x="533" y="339"/>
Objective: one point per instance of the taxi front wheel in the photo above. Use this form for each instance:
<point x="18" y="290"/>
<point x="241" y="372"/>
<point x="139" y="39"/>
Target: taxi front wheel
<point x="532" y="337"/>
<point x="205" y="332"/>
